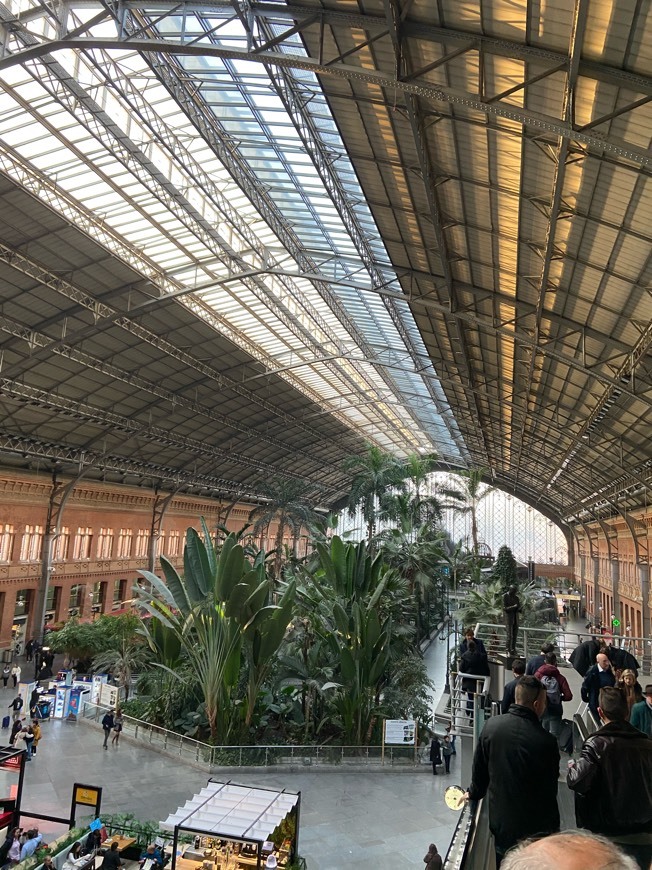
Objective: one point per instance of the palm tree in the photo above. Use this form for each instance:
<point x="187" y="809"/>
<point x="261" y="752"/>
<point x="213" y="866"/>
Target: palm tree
<point x="416" y="553"/>
<point x="128" y="658"/>
<point x="417" y="468"/>
<point x="467" y="498"/>
<point x="373" y="474"/>
<point x="287" y="506"/>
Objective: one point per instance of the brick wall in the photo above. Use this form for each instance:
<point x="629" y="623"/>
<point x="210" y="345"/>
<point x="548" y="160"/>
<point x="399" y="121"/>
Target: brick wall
<point x="24" y="501"/>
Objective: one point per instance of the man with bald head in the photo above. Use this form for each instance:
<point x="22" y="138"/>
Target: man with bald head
<point x="516" y="765"/>
<point x="572" y="850"/>
<point x="599" y="676"/>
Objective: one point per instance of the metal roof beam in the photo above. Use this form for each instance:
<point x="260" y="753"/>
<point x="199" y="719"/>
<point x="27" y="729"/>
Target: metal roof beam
<point x="431" y="33"/>
<point x="106" y="315"/>
<point x="133" y="379"/>
<point x="112" y="422"/>
<point x="434" y="93"/>
<point x="63" y="453"/>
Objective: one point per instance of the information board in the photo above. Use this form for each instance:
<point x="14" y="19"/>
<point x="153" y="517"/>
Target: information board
<point x="400" y="732"/>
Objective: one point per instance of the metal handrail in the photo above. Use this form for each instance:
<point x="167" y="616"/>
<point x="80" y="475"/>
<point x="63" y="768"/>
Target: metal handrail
<point x="529" y="641"/>
<point x="198" y="752"/>
<point x="463" y="704"/>
<point x="462" y="836"/>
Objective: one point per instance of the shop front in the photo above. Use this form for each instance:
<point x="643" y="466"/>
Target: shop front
<point x="233" y="827"/>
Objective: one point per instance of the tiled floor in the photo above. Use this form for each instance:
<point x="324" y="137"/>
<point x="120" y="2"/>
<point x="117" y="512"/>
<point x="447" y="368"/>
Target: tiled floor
<point x="365" y="819"/>
<point x="357" y="818"/>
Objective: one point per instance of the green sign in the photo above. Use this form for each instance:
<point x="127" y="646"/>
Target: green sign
<point x="615" y="622"/>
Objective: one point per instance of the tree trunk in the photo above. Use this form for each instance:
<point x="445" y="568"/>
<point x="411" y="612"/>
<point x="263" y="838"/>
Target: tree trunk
<point x="278" y="559"/>
<point x="474" y="530"/>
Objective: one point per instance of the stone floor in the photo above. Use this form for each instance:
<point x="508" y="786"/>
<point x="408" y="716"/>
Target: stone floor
<point x="365" y="819"/>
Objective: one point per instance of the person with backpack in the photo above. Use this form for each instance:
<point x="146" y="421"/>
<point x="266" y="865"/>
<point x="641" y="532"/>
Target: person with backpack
<point x="557" y="690"/>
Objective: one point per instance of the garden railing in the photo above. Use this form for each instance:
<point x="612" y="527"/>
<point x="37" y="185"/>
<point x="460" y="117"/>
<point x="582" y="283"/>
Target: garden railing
<point x="197" y="752"/>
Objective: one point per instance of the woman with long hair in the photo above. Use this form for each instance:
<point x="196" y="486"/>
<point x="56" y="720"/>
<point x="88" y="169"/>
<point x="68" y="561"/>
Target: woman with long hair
<point x="631" y="689"/>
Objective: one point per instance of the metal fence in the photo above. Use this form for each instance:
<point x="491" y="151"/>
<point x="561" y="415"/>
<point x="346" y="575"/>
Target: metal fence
<point x="197" y="752"/>
<point x="529" y="641"/>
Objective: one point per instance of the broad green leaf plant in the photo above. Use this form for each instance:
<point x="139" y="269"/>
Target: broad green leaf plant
<point x="218" y="612"/>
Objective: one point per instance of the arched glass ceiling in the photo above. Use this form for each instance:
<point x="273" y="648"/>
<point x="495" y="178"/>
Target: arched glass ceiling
<point x="205" y="175"/>
<point x="503" y="519"/>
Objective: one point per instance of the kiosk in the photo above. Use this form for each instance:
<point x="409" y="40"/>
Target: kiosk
<point x="236" y="827"/>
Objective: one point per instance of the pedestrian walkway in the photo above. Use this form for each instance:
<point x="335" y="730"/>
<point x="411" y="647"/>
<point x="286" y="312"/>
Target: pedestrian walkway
<point x="382" y="819"/>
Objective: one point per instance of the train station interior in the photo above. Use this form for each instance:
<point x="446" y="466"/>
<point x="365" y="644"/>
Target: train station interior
<point x="243" y="240"/>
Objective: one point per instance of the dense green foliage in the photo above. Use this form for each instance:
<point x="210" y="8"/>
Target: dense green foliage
<point x="82" y="641"/>
<point x="246" y="647"/>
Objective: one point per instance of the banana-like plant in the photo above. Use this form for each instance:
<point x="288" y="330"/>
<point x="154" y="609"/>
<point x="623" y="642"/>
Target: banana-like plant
<point x="363" y="645"/>
<point x="219" y="604"/>
<point x="351" y="585"/>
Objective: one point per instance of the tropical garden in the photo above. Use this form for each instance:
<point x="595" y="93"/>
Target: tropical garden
<point x="244" y="646"/>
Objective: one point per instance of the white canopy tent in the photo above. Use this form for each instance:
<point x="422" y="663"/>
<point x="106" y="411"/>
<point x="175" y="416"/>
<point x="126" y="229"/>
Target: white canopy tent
<point x="236" y="812"/>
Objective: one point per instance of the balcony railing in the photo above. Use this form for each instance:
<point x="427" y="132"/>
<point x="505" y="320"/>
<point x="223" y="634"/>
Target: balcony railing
<point x="529" y="641"/>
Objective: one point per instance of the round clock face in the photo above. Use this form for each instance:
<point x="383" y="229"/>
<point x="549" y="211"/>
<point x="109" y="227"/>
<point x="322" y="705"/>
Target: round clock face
<point x="454" y="797"/>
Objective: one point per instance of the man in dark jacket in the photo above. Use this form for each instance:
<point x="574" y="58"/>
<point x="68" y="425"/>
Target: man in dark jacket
<point x="583" y="656"/>
<point x="535" y="662"/>
<point x="469" y="635"/>
<point x="600" y="676"/>
<point x="621" y="660"/>
<point x="516" y="764"/>
<point x="473" y="662"/>
<point x="108" y="723"/>
<point x="509" y="692"/>
<point x="612" y="780"/>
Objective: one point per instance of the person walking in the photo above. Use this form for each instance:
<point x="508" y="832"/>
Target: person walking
<point x="469" y="635"/>
<point x="29" y="649"/>
<point x="612" y="780"/>
<point x="557" y="690"/>
<point x="447" y="751"/>
<point x="15" y="675"/>
<point x="570" y="850"/>
<point x="433" y="858"/>
<point x="583" y="656"/>
<point x="16" y="728"/>
<point x="117" y="728"/>
<point x="518" y="669"/>
<point x="516" y="764"/>
<point x="16" y="705"/>
<point x="641" y="715"/>
<point x="535" y="662"/>
<point x="6" y="673"/>
<point x="472" y="662"/>
<point x="435" y="753"/>
<point x="107" y="724"/>
<point x="631" y="688"/>
<point x="599" y="676"/>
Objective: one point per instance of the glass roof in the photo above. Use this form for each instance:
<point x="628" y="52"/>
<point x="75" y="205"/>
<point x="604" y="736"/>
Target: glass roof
<point x="244" y="197"/>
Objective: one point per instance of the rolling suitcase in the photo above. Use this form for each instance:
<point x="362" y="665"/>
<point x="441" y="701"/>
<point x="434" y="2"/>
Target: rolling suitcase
<point x="5" y="721"/>
<point x="565" y="739"/>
